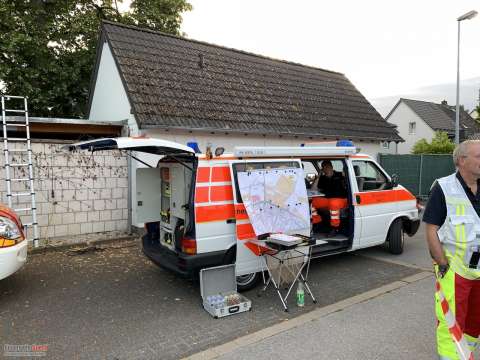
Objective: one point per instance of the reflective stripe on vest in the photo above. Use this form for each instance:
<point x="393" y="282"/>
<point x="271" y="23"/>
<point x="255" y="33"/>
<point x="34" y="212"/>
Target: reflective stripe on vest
<point x="460" y="233"/>
<point x="458" y="337"/>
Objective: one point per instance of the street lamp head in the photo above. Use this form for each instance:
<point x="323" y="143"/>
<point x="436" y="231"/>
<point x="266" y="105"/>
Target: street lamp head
<point x="469" y="15"/>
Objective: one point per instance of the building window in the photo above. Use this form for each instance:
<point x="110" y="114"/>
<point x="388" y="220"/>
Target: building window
<point x="411" y="128"/>
<point x="385" y="144"/>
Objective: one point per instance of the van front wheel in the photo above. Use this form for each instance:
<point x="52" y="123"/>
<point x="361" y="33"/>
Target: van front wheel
<point x="395" y="238"/>
<point x="247" y="281"/>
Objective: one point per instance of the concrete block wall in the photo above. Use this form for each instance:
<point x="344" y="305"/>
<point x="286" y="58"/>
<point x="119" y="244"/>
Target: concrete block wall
<point x="80" y="196"/>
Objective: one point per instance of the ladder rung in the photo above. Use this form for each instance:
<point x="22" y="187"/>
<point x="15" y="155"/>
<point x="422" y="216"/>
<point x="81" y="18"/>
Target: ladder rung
<point x="17" y="150"/>
<point x="13" y="124"/>
<point x="19" y="179"/>
<point x="13" y="97"/>
<point x="15" y="111"/>
<point x="21" y="194"/>
<point x="17" y="165"/>
<point x="16" y="139"/>
<point x="24" y="209"/>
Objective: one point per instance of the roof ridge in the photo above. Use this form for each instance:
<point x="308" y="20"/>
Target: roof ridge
<point x="138" y="28"/>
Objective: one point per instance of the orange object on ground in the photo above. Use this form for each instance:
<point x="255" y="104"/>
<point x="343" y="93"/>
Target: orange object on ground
<point x="334" y="205"/>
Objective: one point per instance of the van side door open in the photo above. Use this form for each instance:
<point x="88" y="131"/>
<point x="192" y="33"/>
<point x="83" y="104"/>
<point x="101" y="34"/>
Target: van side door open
<point x="247" y="260"/>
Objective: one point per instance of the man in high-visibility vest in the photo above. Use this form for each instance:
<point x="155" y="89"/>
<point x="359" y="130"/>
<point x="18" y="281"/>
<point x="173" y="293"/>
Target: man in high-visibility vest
<point x="452" y="218"/>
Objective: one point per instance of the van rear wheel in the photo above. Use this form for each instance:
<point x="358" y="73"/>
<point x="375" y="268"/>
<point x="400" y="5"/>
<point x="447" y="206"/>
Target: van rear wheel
<point x="396" y="237"/>
<point x="247" y="281"/>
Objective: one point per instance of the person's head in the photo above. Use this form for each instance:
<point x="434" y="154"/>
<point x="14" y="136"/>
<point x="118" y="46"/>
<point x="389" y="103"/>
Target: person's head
<point x="327" y="167"/>
<point x="466" y="158"/>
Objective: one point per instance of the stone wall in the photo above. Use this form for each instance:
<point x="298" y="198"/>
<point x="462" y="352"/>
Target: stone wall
<point x="80" y="196"/>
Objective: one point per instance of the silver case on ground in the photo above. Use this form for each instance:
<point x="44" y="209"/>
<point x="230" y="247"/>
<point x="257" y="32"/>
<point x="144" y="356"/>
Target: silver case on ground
<point x="221" y="280"/>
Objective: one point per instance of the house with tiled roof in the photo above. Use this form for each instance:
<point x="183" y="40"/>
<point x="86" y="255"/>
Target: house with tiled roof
<point x="185" y="90"/>
<point x="417" y="120"/>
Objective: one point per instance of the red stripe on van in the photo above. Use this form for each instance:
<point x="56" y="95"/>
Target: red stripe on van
<point x="221" y="193"/>
<point x="256" y="249"/>
<point x="220" y="174"/>
<point x="245" y="231"/>
<point x="214" y="213"/>
<point x="201" y="194"/>
<point x="240" y="212"/>
<point x="383" y="196"/>
<point x="203" y="174"/>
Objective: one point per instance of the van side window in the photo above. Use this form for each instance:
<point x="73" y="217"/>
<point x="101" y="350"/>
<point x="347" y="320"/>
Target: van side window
<point x="368" y="175"/>
<point x="249" y="166"/>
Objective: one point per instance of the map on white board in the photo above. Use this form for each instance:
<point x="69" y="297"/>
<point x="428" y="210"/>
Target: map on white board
<point x="275" y="199"/>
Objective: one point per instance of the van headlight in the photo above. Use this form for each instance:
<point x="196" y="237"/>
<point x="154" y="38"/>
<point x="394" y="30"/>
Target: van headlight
<point x="9" y="232"/>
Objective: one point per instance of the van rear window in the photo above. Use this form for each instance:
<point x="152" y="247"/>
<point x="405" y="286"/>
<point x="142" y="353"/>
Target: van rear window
<point x="249" y="166"/>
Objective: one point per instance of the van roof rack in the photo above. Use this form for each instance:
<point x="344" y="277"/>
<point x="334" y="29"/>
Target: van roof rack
<point x="292" y="151"/>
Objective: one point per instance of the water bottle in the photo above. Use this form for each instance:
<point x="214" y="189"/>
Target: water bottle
<point x="300" y="294"/>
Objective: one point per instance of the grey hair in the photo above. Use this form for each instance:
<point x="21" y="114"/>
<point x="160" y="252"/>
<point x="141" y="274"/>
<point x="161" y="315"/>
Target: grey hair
<point x="461" y="150"/>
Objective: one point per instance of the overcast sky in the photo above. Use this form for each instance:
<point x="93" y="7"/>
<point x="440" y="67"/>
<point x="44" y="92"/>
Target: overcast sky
<point x="383" y="47"/>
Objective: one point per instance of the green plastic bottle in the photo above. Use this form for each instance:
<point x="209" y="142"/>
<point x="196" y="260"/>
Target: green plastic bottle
<point x="300" y="294"/>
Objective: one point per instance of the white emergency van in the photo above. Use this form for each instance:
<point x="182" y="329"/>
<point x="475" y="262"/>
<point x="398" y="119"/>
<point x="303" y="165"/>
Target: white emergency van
<point x="195" y="218"/>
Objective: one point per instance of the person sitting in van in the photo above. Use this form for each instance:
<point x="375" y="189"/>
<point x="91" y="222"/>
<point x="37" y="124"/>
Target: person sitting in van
<point x="332" y="184"/>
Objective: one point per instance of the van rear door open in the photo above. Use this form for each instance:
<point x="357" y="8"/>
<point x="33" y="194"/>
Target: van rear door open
<point x="148" y="180"/>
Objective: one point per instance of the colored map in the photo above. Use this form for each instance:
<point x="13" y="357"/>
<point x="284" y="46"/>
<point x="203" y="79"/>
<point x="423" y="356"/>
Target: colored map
<point x="275" y="199"/>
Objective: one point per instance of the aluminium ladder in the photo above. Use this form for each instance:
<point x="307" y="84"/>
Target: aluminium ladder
<point x="10" y="166"/>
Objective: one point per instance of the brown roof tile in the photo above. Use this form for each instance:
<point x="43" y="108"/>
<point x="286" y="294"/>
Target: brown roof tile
<point x="174" y="82"/>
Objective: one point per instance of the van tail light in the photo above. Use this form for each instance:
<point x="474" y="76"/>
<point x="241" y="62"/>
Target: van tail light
<point x="189" y="246"/>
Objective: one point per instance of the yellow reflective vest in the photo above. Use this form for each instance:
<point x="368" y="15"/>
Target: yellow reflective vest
<point x="460" y="233"/>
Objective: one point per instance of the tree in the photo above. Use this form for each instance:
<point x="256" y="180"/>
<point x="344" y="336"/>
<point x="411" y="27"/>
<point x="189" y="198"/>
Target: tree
<point x="47" y="47"/>
<point x="440" y="144"/>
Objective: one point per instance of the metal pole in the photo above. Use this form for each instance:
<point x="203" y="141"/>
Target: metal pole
<point x="420" y="177"/>
<point x="457" y="110"/>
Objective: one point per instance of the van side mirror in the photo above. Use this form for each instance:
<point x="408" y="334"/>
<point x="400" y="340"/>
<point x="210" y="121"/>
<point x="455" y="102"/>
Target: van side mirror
<point x="393" y="182"/>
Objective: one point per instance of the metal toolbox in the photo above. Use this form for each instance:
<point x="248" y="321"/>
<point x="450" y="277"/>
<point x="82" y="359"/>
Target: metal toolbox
<point x="218" y="288"/>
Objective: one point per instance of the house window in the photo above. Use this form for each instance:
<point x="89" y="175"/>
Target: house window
<point x="412" y="127"/>
<point x="385" y="144"/>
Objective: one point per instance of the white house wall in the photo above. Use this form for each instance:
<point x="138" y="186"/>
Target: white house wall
<point x="401" y="117"/>
<point x="109" y="101"/>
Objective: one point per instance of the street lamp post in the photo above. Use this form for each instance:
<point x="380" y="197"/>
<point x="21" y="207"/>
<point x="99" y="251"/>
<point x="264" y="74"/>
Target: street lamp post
<point x="469" y="15"/>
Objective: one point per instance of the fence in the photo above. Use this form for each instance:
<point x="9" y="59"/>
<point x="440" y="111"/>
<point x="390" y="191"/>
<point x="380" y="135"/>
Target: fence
<point x="417" y="172"/>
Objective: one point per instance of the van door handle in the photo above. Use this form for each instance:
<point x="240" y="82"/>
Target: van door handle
<point x="231" y="221"/>
<point x="359" y="199"/>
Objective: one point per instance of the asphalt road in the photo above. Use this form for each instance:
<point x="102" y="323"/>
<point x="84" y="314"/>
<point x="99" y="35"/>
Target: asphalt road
<point x="115" y="304"/>
<point x="415" y="251"/>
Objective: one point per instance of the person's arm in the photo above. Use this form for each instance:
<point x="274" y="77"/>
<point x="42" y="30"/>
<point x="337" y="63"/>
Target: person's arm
<point x="434" y="217"/>
<point x="434" y="245"/>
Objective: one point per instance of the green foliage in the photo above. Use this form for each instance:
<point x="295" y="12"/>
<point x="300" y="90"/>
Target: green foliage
<point x="440" y="144"/>
<point x="47" y="47"/>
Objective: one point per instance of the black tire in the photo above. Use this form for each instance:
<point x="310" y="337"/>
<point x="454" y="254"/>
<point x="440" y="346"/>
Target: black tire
<point x="248" y="281"/>
<point x="244" y="282"/>
<point x="396" y="238"/>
